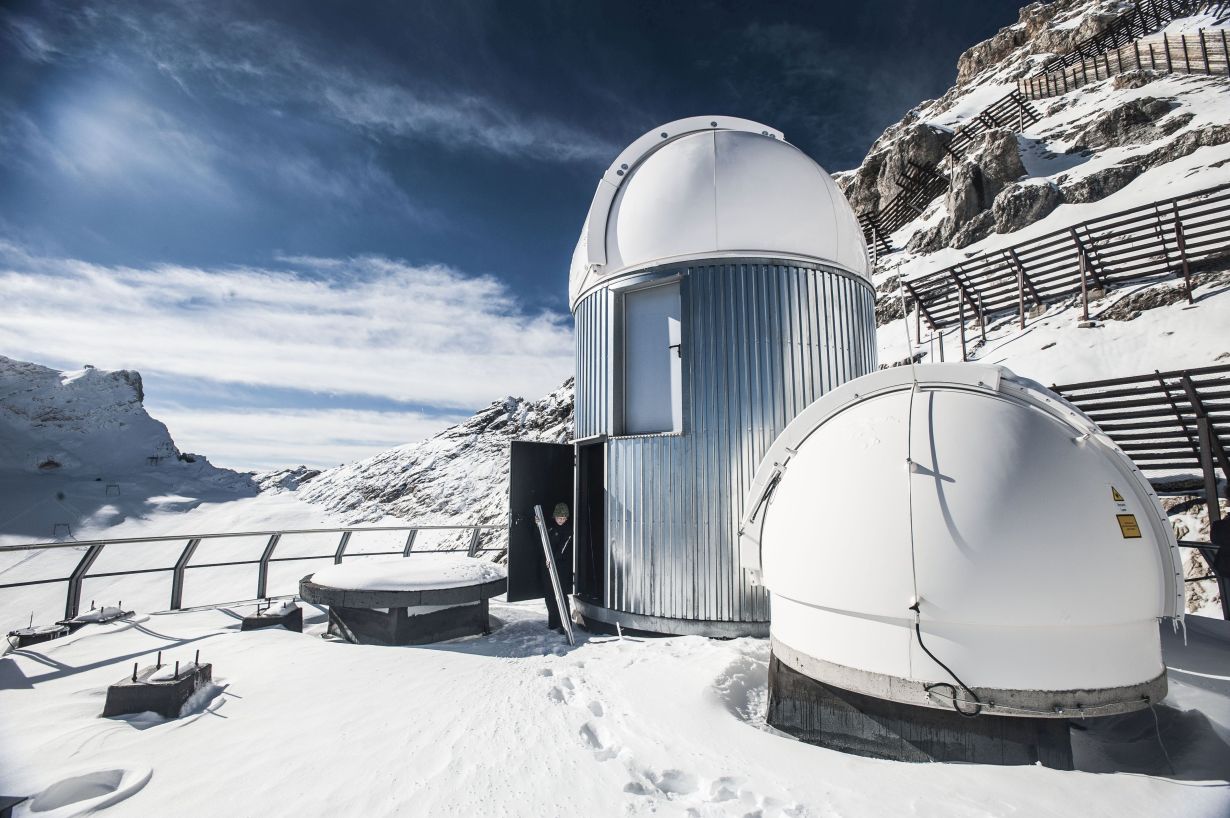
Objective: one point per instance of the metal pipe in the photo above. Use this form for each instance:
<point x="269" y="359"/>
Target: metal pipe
<point x="177" y="578"/>
<point x="72" y="604"/>
<point x="262" y="575"/>
<point x="341" y="547"/>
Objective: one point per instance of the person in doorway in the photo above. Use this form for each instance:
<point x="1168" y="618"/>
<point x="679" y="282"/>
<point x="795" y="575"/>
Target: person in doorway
<point x="559" y="535"/>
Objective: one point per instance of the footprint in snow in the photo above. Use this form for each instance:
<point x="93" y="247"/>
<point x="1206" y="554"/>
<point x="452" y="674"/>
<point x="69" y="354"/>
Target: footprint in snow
<point x="598" y="740"/>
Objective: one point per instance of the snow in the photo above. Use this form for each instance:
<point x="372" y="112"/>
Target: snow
<point x="518" y="723"/>
<point x="421" y="572"/>
<point x="99" y="614"/>
<point x="171" y="671"/>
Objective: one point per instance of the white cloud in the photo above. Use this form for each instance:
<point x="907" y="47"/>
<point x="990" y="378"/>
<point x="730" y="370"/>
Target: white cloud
<point x="430" y="336"/>
<point x="275" y="438"/>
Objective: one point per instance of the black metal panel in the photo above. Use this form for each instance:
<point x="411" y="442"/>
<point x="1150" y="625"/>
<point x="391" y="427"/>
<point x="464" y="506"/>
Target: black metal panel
<point x="538" y="474"/>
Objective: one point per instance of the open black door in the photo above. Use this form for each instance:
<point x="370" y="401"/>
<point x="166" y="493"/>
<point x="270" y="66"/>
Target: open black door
<point x="590" y="522"/>
<point x="538" y="474"/>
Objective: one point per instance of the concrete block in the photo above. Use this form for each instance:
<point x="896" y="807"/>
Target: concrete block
<point x="94" y="616"/>
<point x="7" y="802"/>
<point x="291" y="618"/>
<point x="166" y="697"/>
<point x="828" y="716"/>
<point x="33" y="635"/>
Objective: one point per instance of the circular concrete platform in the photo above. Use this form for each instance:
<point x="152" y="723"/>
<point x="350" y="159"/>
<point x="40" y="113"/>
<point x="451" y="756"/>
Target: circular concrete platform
<point x="409" y="601"/>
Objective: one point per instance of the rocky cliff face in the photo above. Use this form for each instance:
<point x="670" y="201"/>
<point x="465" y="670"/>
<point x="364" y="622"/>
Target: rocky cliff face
<point x="53" y="421"/>
<point x="1089" y="144"/>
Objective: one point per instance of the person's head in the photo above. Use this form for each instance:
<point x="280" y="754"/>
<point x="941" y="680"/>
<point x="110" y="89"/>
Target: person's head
<point x="560" y="514"/>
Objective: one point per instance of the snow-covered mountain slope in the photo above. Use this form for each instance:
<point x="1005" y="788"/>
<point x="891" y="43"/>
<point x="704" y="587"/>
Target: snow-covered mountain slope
<point x="458" y="476"/>
<point x="79" y="454"/>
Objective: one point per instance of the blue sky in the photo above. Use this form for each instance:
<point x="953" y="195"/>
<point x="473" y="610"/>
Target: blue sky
<point x="322" y="229"/>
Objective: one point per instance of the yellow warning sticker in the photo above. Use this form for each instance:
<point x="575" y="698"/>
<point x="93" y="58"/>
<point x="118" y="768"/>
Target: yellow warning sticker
<point x="1128" y="526"/>
<point x="1115" y="495"/>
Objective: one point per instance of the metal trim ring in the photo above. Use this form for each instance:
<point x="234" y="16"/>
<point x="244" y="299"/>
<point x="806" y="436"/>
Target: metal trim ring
<point x="666" y="626"/>
<point x="458" y="595"/>
<point x="1044" y="704"/>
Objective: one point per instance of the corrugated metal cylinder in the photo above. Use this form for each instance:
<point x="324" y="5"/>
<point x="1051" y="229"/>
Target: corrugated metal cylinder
<point x="761" y="339"/>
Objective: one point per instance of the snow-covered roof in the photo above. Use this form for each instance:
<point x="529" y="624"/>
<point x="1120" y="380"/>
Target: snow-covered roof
<point x="708" y="187"/>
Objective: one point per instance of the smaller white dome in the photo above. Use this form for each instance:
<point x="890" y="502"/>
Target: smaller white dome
<point x="713" y="187"/>
<point x="1040" y="556"/>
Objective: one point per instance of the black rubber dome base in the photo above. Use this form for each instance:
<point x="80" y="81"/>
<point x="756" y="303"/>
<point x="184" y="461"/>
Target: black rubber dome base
<point x="854" y="723"/>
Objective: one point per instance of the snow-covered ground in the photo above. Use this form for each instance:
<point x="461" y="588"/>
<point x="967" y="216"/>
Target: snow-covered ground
<point x="518" y="723"/>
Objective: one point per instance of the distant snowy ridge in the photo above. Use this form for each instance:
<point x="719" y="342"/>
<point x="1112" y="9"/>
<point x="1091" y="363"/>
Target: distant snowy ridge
<point x="78" y="451"/>
<point x="84" y="419"/>
<point x="458" y="476"/>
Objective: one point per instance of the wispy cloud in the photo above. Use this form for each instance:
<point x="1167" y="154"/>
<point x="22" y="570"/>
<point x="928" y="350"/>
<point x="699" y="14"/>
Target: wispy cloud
<point x="265" y="63"/>
<point x="275" y="438"/>
<point x="428" y="336"/>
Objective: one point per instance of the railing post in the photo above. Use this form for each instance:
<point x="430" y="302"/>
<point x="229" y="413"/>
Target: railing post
<point x="1084" y="283"/>
<point x="1178" y="235"/>
<point x="1212" y="500"/>
<point x="982" y="320"/>
<point x="1166" y="48"/>
<point x="1204" y="52"/>
<point x="1225" y="51"/>
<point x="177" y="578"/>
<point x="409" y="542"/>
<point x="961" y="319"/>
<point x="1020" y="294"/>
<point x="341" y="547"/>
<point x="262" y="574"/>
<point x="473" y="549"/>
<point x="72" y="605"/>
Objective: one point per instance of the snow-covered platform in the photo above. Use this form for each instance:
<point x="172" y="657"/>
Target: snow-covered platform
<point x="409" y="601"/>
<point x="666" y="727"/>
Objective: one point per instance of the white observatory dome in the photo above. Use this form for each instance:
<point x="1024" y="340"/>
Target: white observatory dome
<point x="1039" y="556"/>
<point x="713" y="187"/>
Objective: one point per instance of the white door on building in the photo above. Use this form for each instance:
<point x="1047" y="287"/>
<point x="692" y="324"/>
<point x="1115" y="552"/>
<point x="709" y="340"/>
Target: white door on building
<point x="653" y="368"/>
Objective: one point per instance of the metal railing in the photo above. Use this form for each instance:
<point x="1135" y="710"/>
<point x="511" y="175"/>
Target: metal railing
<point x="1166" y="421"/>
<point x="1171" y="238"/>
<point x="93" y="549"/>
<point x="1204" y="52"/>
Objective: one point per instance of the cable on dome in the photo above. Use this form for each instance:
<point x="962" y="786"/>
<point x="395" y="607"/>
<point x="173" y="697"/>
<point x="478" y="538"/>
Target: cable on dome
<point x="909" y="476"/>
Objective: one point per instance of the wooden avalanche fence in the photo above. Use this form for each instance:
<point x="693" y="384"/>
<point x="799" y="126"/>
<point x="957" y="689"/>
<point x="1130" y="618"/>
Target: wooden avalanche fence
<point x="1168" y="421"/>
<point x="919" y="184"/>
<point x="1164" y="421"/>
<point x="1012" y="111"/>
<point x="1204" y="52"/>
<point x="916" y="187"/>
<point x="1141" y="19"/>
<point x="1170" y="238"/>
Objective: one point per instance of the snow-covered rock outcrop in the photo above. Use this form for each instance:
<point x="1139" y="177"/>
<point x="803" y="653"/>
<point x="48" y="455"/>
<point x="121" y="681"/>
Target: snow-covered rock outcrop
<point x="85" y="420"/>
<point x="78" y="452"/>
<point x="457" y="476"/>
<point x="1128" y="140"/>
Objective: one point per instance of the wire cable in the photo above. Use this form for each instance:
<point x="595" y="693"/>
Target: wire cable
<point x="909" y="460"/>
<point x="1158" y="729"/>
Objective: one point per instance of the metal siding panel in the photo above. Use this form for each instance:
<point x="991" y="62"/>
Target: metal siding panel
<point x="763" y="341"/>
